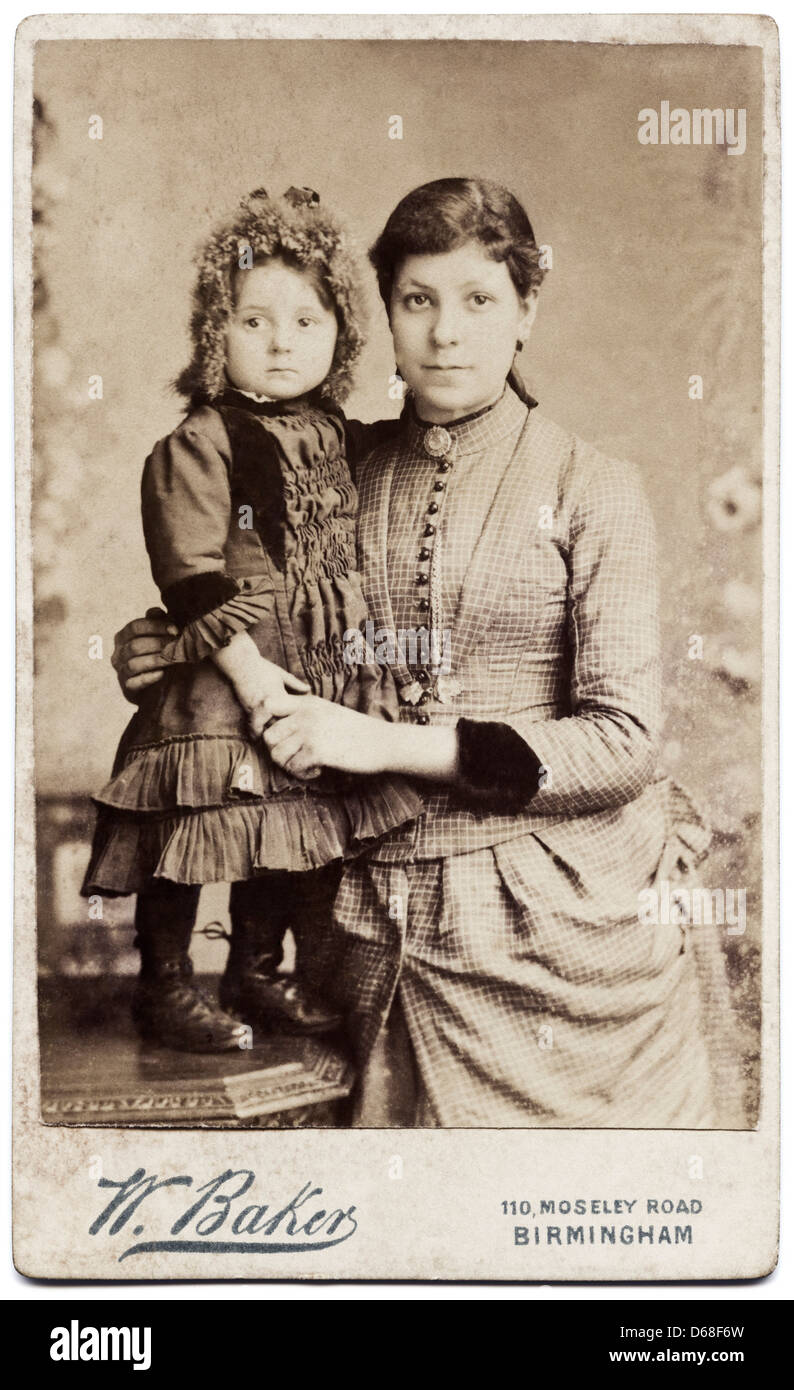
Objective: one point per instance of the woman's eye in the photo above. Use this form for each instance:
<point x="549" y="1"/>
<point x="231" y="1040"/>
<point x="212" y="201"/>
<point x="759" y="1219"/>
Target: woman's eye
<point x="416" y="301"/>
<point x="481" y="300"/>
<point x="253" y="322"/>
<point x="305" y="322"/>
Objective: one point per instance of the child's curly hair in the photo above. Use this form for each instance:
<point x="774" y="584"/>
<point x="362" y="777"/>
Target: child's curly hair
<point x="295" y="229"/>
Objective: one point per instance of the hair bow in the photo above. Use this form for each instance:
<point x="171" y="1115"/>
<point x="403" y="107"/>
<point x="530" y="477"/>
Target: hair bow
<point x="296" y="197"/>
<point x="302" y="197"/>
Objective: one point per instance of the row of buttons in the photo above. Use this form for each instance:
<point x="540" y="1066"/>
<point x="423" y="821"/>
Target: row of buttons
<point x="437" y="442"/>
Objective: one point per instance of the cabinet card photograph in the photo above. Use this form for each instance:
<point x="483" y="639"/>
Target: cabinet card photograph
<point x="397" y="454"/>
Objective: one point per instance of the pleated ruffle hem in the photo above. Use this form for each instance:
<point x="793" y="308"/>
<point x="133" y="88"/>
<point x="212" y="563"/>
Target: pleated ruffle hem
<point x="204" y="809"/>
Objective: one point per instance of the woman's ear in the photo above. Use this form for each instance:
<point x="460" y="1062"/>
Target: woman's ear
<point x="529" y="309"/>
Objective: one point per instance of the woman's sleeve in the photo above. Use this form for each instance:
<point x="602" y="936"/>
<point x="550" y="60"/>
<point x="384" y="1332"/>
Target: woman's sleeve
<point x="604" y="753"/>
<point x="361" y="439"/>
<point x="186" y="508"/>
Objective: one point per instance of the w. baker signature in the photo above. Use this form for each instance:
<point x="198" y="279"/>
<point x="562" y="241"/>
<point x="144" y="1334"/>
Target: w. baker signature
<point x="298" y="1225"/>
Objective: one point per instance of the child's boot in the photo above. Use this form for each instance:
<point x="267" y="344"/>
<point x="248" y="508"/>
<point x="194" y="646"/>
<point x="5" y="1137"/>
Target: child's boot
<point x="167" y="1007"/>
<point x="252" y="986"/>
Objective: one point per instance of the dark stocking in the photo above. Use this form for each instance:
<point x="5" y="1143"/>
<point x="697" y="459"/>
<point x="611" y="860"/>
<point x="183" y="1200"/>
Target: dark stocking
<point x="261" y="911"/>
<point x="164" y="918"/>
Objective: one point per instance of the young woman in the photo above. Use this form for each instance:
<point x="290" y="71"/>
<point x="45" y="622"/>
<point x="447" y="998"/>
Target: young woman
<point x="497" y="944"/>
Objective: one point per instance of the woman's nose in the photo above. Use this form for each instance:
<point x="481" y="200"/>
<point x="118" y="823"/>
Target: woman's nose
<point x="445" y="328"/>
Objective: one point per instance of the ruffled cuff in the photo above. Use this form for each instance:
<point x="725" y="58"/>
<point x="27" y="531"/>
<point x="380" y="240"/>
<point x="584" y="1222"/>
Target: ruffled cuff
<point x="498" y="770"/>
<point x="198" y="594"/>
<point x="239" y="605"/>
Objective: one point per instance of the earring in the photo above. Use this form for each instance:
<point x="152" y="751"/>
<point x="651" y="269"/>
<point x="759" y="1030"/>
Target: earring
<point x="520" y="345"/>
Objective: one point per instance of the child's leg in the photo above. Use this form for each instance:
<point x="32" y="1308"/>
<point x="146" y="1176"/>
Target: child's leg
<point x="167" y="1007"/>
<point x="314" y="897"/>
<point x="262" y="910"/>
<point x="165" y="914"/>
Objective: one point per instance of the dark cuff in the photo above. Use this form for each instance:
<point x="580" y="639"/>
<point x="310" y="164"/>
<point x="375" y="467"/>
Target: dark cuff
<point x="498" y="770"/>
<point x="198" y="594"/>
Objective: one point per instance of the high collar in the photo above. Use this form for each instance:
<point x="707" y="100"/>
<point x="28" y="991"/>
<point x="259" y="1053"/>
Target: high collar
<point x="299" y="406"/>
<point x="474" y="432"/>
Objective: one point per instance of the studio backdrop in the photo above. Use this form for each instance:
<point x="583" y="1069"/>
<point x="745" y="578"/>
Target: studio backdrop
<point x="647" y="343"/>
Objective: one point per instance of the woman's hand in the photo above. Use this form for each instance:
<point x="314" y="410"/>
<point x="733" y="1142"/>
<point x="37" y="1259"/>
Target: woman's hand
<point x="137" y="652"/>
<point x="309" y="733"/>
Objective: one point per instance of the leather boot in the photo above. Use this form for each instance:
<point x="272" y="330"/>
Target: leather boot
<point x="253" y="988"/>
<point x="264" y="997"/>
<point x="169" y="1009"/>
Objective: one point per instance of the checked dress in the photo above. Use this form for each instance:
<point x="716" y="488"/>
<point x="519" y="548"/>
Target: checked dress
<point x="498" y="949"/>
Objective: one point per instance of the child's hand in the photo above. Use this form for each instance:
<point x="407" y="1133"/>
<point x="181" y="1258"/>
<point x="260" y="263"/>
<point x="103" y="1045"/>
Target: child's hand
<point x="258" y="683"/>
<point x="272" y="685"/>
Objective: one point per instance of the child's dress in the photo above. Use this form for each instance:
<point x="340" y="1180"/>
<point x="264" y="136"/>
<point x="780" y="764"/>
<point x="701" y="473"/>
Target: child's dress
<point x="249" y="514"/>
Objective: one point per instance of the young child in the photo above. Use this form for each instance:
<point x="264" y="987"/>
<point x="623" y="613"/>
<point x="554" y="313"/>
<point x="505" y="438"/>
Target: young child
<point x="249" y="515"/>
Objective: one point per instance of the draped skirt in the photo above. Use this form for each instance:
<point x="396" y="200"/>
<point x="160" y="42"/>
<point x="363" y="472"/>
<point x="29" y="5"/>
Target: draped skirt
<point x="492" y="989"/>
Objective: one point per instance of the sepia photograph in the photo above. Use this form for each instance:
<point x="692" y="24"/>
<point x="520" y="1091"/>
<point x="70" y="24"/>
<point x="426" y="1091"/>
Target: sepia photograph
<point x="402" y="457"/>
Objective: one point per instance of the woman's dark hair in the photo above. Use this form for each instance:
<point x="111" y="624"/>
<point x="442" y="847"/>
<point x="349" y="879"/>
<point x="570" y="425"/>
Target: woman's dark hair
<point x="443" y="215"/>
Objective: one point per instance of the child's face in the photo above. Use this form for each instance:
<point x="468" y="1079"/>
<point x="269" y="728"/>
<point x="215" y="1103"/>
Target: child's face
<point x="455" y="319"/>
<point x="281" y="337"/>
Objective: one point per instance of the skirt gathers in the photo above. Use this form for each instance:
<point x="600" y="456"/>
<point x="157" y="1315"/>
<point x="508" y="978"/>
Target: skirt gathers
<point x="497" y="988"/>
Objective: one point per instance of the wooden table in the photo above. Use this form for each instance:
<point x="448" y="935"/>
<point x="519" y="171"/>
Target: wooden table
<point x="96" y="1071"/>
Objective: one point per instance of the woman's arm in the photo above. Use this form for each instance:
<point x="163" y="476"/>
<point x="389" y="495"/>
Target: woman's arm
<point x="417" y="751"/>
<point x="309" y="732"/>
<point x="604" y="753"/>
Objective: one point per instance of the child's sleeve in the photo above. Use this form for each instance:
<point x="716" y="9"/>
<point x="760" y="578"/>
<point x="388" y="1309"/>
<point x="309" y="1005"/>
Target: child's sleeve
<point x="186" y="507"/>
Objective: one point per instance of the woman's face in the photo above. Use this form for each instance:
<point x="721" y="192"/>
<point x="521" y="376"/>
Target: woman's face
<point x="281" y="337"/>
<point x="455" y="319"/>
